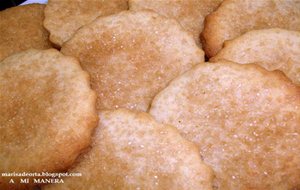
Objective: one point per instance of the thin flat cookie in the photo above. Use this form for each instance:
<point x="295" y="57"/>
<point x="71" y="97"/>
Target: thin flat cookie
<point x="132" y="151"/>
<point x="273" y="49"/>
<point x="22" y="28"/>
<point x="189" y="13"/>
<point x="235" y="17"/>
<point x="64" y="17"/>
<point x="244" y="119"/>
<point x="47" y="114"/>
<point x="131" y="56"/>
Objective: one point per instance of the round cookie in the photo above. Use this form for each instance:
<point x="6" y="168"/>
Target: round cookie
<point x="47" y="114"/>
<point x="131" y="56"/>
<point x="189" y="13"/>
<point x="235" y="17"/>
<point x="273" y="49"/>
<point x="244" y="119"/>
<point x="64" y="17"/>
<point x="132" y="151"/>
<point x="22" y="28"/>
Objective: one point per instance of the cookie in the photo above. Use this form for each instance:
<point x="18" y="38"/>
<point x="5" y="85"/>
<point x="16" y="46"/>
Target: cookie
<point x="131" y="56"/>
<point x="64" y="17"/>
<point x="273" y="49"/>
<point x="234" y="17"/>
<point x="21" y="28"/>
<point x="189" y="13"/>
<point x="132" y="151"/>
<point x="47" y="114"/>
<point x="244" y="119"/>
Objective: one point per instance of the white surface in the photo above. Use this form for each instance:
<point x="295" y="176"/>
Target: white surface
<point x="34" y="1"/>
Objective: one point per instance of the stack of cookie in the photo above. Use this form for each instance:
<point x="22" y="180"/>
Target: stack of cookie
<point x="119" y="91"/>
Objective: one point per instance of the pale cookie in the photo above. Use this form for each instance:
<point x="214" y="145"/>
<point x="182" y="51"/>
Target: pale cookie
<point x="244" y="119"/>
<point x="131" y="56"/>
<point x="132" y="151"/>
<point x="273" y="49"/>
<point x="235" y="17"/>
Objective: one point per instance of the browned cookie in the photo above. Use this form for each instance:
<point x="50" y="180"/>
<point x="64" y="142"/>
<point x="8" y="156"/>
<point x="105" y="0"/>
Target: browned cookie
<point x="132" y="151"/>
<point x="22" y="28"/>
<point x="47" y="114"/>
<point x="244" y="119"/>
<point x="189" y="13"/>
<point x="131" y="56"/>
<point x="235" y="17"/>
<point x="64" y="17"/>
